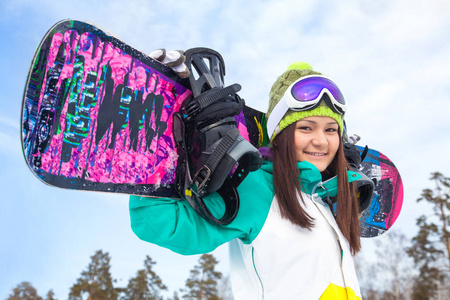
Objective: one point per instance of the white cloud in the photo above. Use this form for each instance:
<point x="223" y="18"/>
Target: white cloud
<point x="6" y="121"/>
<point x="9" y="136"/>
<point x="8" y="144"/>
<point x="413" y="21"/>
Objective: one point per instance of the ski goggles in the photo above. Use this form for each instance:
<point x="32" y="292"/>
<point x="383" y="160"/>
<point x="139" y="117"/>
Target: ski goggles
<point x="306" y="94"/>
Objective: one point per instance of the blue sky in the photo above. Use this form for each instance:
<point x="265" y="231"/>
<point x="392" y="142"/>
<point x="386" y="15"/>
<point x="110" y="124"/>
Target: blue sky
<point x="392" y="59"/>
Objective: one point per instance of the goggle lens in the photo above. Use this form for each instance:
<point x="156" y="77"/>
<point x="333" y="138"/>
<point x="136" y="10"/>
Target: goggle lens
<point x="310" y="89"/>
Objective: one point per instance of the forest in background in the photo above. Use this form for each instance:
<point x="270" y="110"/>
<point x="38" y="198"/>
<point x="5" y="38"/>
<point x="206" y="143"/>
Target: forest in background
<point x="403" y="269"/>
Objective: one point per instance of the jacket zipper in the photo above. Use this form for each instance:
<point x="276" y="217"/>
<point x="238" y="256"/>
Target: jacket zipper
<point x="256" y="271"/>
<point x="341" y="264"/>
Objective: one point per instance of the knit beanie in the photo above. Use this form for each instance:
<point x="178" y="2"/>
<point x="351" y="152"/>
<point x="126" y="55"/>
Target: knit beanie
<point x="294" y="72"/>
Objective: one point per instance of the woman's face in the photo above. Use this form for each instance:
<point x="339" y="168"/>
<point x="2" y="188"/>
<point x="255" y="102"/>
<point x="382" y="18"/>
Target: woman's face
<point x="317" y="141"/>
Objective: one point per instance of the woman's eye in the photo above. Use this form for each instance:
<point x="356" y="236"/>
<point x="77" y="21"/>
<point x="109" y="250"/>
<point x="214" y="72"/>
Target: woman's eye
<point x="304" y="128"/>
<point x="332" y="130"/>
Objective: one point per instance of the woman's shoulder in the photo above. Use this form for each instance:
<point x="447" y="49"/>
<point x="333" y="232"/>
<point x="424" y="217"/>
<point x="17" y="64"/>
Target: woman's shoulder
<point x="261" y="179"/>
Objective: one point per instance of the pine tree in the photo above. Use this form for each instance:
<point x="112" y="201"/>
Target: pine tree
<point x="225" y="291"/>
<point x="175" y="296"/>
<point x="50" y="295"/>
<point x="394" y="266"/>
<point x="202" y="282"/>
<point x="146" y="285"/>
<point x="431" y="246"/>
<point x="367" y="277"/>
<point x="96" y="282"/>
<point x="24" y="291"/>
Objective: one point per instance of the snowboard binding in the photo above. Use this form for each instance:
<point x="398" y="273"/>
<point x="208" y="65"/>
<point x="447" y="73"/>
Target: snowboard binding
<point x="364" y="186"/>
<point x="213" y="156"/>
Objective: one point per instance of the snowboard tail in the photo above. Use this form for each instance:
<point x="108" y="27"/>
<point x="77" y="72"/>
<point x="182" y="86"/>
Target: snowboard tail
<point x="387" y="201"/>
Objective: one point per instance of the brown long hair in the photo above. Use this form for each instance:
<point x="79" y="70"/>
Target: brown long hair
<point x="287" y="182"/>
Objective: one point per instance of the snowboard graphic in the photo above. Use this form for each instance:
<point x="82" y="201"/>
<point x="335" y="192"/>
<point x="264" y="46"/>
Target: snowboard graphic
<point x="387" y="201"/>
<point x="97" y="115"/>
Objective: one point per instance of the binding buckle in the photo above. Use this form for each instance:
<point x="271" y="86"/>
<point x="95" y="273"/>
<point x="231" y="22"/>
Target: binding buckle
<point x="200" y="183"/>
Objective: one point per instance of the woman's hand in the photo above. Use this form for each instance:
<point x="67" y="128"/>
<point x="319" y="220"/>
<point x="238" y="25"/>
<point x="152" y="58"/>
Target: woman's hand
<point x="174" y="59"/>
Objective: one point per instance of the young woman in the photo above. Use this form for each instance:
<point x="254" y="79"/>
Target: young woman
<point x="297" y="225"/>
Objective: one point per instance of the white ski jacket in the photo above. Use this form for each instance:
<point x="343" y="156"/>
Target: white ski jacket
<point x="270" y="257"/>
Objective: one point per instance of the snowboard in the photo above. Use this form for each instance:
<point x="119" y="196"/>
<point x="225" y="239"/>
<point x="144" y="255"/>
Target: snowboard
<point x="97" y="115"/>
<point x="387" y="200"/>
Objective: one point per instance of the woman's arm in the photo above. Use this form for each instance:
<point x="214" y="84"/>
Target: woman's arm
<point x="175" y="225"/>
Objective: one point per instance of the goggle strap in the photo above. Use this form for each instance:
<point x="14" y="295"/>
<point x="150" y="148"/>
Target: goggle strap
<point x="276" y="116"/>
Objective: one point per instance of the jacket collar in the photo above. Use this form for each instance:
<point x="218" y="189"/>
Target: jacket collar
<point x="311" y="179"/>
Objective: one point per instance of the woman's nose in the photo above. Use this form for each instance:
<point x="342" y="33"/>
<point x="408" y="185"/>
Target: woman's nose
<point x="319" y="139"/>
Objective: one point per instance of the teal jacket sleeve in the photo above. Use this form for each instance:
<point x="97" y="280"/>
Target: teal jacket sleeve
<point x="173" y="224"/>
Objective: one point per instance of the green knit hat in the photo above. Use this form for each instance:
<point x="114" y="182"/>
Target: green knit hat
<point x="294" y="72"/>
